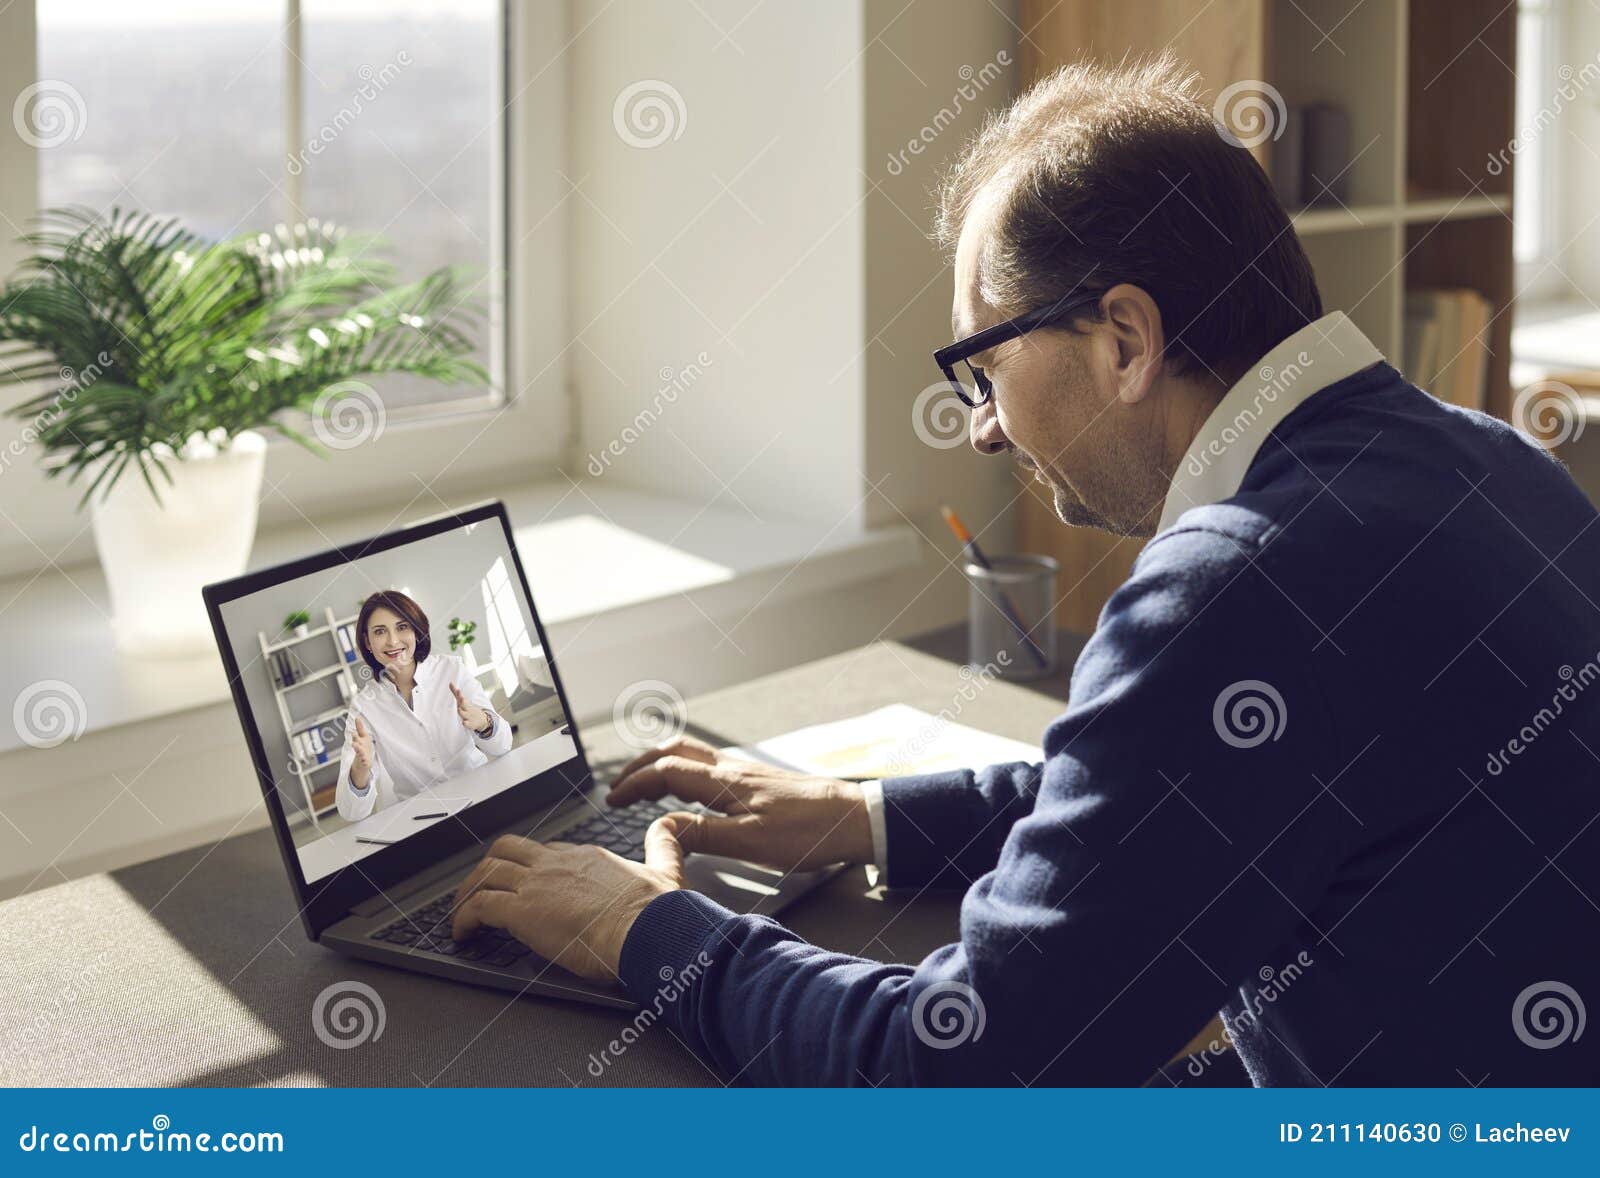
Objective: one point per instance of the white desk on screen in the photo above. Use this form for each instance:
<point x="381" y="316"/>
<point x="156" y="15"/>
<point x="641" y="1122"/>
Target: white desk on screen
<point x="329" y="853"/>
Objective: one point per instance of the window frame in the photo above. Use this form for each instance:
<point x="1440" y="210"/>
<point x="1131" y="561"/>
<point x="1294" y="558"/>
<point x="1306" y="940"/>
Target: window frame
<point x="1536" y="279"/>
<point x="522" y="429"/>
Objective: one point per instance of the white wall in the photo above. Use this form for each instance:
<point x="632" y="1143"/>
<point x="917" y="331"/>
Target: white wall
<point x="780" y="229"/>
<point x="740" y="237"/>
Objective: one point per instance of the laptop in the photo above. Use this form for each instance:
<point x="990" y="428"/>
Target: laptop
<point x="374" y="871"/>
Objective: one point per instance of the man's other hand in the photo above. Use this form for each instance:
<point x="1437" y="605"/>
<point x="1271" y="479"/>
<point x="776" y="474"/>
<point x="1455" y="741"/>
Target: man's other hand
<point x="766" y="815"/>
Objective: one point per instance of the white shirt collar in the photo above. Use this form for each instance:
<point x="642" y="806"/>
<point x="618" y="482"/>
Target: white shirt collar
<point x="1318" y="355"/>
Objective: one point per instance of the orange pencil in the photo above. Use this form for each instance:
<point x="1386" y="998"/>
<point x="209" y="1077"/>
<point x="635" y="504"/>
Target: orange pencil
<point x="1003" y="601"/>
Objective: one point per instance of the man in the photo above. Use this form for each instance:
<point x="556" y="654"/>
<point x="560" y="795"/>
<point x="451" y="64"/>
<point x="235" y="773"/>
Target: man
<point x="1331" y="760"/>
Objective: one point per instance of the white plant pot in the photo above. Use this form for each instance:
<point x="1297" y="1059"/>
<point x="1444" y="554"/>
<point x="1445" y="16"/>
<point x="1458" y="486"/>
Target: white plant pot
<point x="158" y="555"/>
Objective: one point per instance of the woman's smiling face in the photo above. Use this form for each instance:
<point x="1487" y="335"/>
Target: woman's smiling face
<point x="391" y="638"/>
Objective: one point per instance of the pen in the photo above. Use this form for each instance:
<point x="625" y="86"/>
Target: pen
<point x="361" y="838"/>
<point x="1002" y="600"/>
<point x="440" y="814"/>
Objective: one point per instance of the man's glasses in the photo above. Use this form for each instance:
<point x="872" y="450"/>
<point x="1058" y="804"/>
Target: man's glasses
<point x="950" y="355"/>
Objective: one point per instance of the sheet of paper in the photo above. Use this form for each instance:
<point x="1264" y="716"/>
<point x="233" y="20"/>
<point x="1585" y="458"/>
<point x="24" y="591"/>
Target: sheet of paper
<point x="894" y="741"/>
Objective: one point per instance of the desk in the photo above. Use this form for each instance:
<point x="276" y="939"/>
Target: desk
<point x="193" y="970"/>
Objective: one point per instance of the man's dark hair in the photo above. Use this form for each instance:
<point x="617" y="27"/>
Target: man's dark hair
<point x="396" y="602"/>
<point x="1111" y="174"/>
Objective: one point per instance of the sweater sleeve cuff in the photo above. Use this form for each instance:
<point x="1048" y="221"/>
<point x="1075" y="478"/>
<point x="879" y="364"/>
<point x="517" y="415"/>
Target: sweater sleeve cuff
<point x="924" y="819"/>
<point x="872" y="798"/>
<point x="668" y="941"/>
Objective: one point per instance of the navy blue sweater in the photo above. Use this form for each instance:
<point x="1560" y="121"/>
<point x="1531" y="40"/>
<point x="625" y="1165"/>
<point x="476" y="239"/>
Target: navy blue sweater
<point x="1331" y="766"/>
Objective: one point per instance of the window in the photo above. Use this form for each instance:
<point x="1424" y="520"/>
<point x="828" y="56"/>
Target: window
<point x="380" y="115"/>
<point x="1538" y="140"/>
<point x="508" y="629"/>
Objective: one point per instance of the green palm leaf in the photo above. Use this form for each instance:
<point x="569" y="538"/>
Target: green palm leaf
<point x="143" y="334"/>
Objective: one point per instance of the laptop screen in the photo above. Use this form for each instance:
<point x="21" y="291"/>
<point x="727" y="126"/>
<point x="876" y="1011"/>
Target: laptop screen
<point x="394" y="691"/>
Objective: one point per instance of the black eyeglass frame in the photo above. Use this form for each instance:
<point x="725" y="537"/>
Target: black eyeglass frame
<point x="950" y="355"/>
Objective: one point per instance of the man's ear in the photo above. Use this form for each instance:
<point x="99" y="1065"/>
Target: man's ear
<point x="1135" y="340"/>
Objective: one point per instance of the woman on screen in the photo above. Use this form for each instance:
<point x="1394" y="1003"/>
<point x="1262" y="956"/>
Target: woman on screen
<point x="423" y="719"/>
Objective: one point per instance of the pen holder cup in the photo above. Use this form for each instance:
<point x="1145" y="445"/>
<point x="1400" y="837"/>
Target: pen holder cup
<point x="1011" y="630"/>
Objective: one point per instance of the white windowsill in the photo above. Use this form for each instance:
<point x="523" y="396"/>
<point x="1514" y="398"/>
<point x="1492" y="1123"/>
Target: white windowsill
<point x="648" y="564"/>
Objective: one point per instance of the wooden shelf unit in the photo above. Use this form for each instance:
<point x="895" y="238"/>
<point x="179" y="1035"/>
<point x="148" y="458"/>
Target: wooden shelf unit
<point x="1430" y="95"/>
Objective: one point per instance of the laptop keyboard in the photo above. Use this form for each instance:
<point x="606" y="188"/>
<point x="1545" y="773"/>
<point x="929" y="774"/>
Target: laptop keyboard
<point x="427" y="929"/>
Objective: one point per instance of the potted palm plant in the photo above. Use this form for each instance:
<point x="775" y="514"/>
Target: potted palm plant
<point x="163" y="357"/>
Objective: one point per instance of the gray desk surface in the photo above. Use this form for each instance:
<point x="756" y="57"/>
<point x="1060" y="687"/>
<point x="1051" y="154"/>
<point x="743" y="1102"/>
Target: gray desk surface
<point x="193" y="969"/>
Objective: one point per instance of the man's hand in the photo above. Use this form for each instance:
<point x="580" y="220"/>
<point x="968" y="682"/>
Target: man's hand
<point x="571" y="904"/>
<point x="775" y="817"/>
<point x="473" y="719"/>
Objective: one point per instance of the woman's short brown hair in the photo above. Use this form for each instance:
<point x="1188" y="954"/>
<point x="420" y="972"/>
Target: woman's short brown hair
<point x="398" y="603"/>
<point x="1107" y="174"/>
